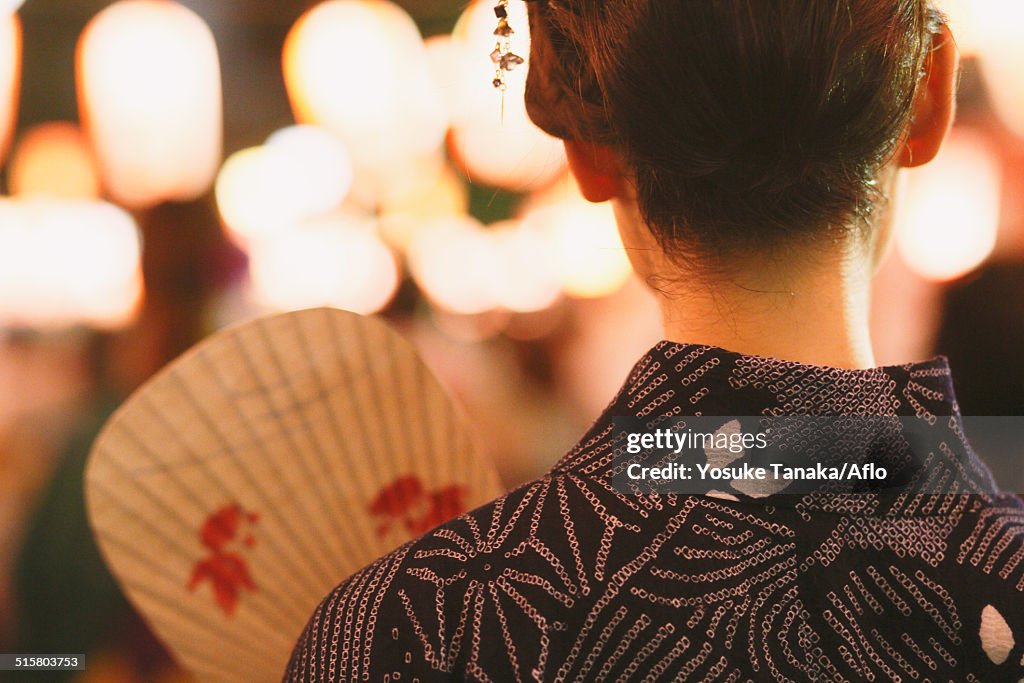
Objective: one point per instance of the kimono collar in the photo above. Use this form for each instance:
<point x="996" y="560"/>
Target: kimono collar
<point x="704" y="380"/>
<point x="679" y="380"/>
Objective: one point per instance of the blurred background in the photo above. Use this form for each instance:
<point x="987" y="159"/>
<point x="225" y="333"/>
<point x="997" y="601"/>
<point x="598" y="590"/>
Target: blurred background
<point x="169" y="168"/>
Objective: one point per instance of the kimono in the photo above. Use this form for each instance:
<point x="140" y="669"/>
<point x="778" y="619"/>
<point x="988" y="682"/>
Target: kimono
<point x="569" y="578"/>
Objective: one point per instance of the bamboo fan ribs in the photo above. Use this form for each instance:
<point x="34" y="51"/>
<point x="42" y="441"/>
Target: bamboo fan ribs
<point x="235" y="489"/>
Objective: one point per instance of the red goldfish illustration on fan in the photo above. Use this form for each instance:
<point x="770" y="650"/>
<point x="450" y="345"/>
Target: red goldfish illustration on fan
<point x="408" y="502"/>
<point x="225" y="536"/>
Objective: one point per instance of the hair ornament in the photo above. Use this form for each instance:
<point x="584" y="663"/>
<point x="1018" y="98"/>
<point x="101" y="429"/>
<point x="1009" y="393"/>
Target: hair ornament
<point x="504" y="59"/>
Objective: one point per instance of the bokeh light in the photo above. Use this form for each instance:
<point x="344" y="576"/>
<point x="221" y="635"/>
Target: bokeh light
<point x="1002" y="56"/>
<point x="584" y="241"/>
<point x="66" y="263"/>
<point x="10" y="77"/>
<point x="454" y="262"/>
<point x="301" y="172"/>
<point x="54" y="160"/>
<point x="436" y="193"/>
<point x="525" y="277"/>
<point x="947" y="213"/>
<point x="150" y="94"/>
<point x="314" y="169"/>
<point x="246" y="196"/>
<point x="445" y="63"/>
<point x="358" y="68"/>
<point x="492" y="137"/>
<point x="963" y="20"/>
<point x="331" y="261"/>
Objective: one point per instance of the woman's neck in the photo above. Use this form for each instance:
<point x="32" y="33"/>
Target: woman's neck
<point x="807" y="303"/>
<point x="816" y="315"/>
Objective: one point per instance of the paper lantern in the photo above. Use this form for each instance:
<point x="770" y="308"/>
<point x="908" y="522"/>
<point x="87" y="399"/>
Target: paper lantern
<point x="436" y="191"/>
<point x="67" y="262"/>
<point x="54" y="160"/>
<point x="10" y="77"/>
<point x="315" y="169"/>
<point x="150" y="95"/>
<point x="525" y="279"/>
<point x="492" y="137"/>
<point x="334" y="261"/>
<point x="302" y="172"/>
<point x="583" y="239"/>
<point x="947" y="213"/>
<point x="1002" y="57"/>
<point x="358" y="68"/>
<point x="245" y="196"/>
<point x="455" y="264"/>
<point x="963" y="19"/>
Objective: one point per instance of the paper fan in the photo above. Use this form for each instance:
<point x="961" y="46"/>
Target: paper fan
<point x="237" y="487"/>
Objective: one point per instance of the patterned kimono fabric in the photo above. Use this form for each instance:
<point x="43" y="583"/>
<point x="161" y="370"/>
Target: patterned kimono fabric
<point x="568" y="578"/>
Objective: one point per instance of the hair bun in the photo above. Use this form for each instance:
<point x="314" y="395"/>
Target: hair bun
<point x="740" y="127"/>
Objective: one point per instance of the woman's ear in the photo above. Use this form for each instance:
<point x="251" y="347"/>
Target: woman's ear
<point x="935" y="105"/>
<point x="596" y="169"/>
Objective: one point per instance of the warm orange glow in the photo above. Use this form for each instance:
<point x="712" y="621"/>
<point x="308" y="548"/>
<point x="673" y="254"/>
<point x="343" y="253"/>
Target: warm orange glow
<point x="302" y="172"/>
<point x="436" y="192"/>
<point x="54" y="160"/>
<point x="1002" y="57"/>
<point x="445" y="63"/>
<point x="245" y="195"/>
<point x="492" y="136"/>
<point x="455" y="264"/>
<point x="525" y="279"/>
<point x="468" y="269"/>
<point x="67" y="262"/>
<point x="358" y="68"/>
<point x="948" y="211"/>
<point x="963" y="20"/>
<point x="333" y="261"/>
<point x="314" y="169"/>
<point x="583" y="239"/>
<point x="10" y="77"/>
<point x="149" y="88"/>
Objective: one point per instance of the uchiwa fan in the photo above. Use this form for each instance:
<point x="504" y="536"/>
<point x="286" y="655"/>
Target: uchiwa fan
<point x="252" y="475"/>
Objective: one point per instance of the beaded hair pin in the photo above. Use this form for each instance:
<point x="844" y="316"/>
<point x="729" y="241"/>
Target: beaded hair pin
<point x="504" y="59"/>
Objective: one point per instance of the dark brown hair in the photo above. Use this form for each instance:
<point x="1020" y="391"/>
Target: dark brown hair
<point x="746" y="123"/>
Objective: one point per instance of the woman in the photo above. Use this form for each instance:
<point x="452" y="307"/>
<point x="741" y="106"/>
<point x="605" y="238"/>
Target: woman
<point x="750" y="150"/>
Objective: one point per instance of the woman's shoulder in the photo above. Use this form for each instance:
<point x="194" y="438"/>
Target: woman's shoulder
<point x="565" y="556"/>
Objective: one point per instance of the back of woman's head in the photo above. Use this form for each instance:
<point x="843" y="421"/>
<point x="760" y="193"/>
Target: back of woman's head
<point x="744" y="123"/>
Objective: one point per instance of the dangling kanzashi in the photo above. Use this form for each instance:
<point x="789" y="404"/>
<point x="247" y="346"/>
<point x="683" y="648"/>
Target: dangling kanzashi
<point x="503" y="57"/>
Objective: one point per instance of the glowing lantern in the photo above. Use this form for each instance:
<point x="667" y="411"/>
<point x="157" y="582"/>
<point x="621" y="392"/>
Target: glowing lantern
<point x="245" y="195"/>
<point x="67" y="262"/>
<point x="149" y="88"/>
<point x="1002" y="57"/>
<point x="335" y="261"/>
<point x="963" y="20"/>
<point x="444" y="60"/>
<point x="947" y="213"/>
<point x="10" y="76"/>
<point x="583" y="239"/>
<point x="358" y="68"/>
<point x="492" y="136"/>
<point x="54" y="160"/>
<point x="455" y="264"/>
<point x="314" y="167"/>
<point x="467" y="269"/>
<point x="11" y="6"/>
<point x="302" y="172"/>
<point x="437" y="192"/>
<point x="525" y="279"/>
